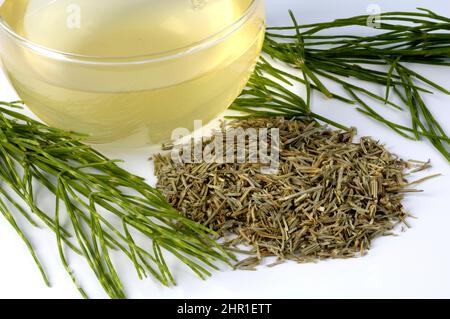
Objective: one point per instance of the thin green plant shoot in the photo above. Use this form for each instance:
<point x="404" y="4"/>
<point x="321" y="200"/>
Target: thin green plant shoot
<point x="90" y="192"/>
<point x="383" y="59"/>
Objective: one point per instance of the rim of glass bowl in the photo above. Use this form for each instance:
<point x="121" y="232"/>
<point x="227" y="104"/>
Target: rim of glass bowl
<point x="139" y="59"/>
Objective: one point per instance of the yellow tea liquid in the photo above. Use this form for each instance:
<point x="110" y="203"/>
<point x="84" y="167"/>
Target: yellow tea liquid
<point x="137" y="69"/>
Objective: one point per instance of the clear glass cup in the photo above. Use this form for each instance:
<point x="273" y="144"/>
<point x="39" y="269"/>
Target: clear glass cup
<point x="137" y="97"/>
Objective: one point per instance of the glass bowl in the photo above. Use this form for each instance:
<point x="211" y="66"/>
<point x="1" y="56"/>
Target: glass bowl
<point x="129" y="71"/>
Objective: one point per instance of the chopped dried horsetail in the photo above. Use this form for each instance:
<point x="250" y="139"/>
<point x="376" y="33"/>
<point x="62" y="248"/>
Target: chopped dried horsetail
<point x="330" y="198"/>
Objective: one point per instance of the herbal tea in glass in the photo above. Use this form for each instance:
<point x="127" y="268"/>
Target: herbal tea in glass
<point x="129" y="71"/>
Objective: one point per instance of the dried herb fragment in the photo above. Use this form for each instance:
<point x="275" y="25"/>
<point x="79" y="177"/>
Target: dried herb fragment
<point x="330" y="198"/>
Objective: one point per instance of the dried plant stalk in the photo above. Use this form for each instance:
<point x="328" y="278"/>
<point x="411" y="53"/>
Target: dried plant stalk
<point x="330" y="198"/>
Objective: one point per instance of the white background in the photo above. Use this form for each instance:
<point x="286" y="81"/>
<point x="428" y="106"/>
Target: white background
<point x="414" y="264"/>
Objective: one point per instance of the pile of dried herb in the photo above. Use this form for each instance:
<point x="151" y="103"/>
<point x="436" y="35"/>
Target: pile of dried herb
<point x="330" y="198"/>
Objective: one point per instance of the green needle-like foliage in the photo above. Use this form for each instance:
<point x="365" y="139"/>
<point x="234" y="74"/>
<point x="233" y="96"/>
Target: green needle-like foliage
<point x="413" y="37"/>
<point x="100" y="207"/>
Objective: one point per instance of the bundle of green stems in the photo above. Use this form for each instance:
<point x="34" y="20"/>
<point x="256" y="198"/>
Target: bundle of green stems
<point x="99" y="207"/>
<point x="384" y="58"/>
